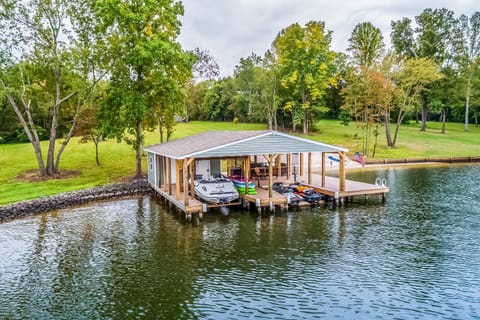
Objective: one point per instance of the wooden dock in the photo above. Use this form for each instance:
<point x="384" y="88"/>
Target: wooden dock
<point x="352" y="188"/>
<point x="332" y="186"/>
<point x="262" y="200"/>
<point x="193" y="205"/>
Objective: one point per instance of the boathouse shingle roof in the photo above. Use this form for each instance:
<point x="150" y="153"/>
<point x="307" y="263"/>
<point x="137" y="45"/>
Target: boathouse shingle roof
<point x="212" y="144"/>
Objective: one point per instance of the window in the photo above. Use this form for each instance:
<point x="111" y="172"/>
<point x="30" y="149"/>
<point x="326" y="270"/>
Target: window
<point x="150" y="163"/>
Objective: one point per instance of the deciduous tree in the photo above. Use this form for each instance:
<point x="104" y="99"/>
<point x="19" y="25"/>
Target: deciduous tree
<point x="306" y="66"/>
<point x="40" y="69"/>
<point x="148" y="67"/>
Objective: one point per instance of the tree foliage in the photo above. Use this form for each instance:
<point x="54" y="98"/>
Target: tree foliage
<point x="366" y="44"/>
<point x="306" y="68"/>
<point x="42" y="71"/>
<point x="149" y="69"/>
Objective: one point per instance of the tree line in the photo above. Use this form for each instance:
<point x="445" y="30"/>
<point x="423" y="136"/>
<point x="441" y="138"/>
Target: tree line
<point x="113" y="69"/>
<point x="430" y="72"/>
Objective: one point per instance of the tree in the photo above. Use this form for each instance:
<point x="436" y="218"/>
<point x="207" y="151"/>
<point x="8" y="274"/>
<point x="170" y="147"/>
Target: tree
<point x="369" y="99"/>
<point x="434" y="38"/>
<point x="412" y="78"/>
<point x="205" y="69"/>
<point x="268" y="83"/>
<point x="43" y="68"/>
<point x="306" y="66"/>
<point x="148" y="67"/>
<point x="245" y="81"/>
<point x="366" y="44"/>
<point x="402" y="37"/>
<point x="469" y="55"/>
<point x="219" y="100"/>
<point x="256" y="79"/>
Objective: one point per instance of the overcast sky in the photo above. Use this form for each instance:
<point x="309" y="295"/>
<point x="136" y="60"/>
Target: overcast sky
<point x="231" y="29"/>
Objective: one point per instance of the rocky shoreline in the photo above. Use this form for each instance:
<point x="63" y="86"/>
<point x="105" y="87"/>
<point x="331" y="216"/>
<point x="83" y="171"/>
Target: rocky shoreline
<point x="64" y="200"/>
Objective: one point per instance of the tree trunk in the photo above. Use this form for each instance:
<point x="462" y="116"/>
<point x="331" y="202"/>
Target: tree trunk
<point x="96" y="140"/>
<point x="53" y="129"/>
<point x="160" y="129"/>
<point x="467" y="102"/>
<point x="31" y="131"/>
<point x="387" y="129"/>
<point x="444" y="119"/>
<point x="424" y="118"/>
<point x="376" y="141"/>
<point x="401" y="115"/>
<point x="69" y="135"/>
<point x="139" y="145"/>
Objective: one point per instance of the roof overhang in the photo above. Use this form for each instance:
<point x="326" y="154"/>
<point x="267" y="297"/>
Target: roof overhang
<point x="219" y="144"/>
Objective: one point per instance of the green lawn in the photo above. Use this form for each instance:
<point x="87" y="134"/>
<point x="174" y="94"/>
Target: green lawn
<point x="118" y="159"/>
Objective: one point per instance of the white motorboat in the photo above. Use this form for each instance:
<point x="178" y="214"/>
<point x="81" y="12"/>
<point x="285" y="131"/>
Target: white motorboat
<point x="216" y="190"/>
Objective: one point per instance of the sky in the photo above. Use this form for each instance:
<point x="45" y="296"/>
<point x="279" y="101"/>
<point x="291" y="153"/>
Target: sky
<point x="232" y="29"/>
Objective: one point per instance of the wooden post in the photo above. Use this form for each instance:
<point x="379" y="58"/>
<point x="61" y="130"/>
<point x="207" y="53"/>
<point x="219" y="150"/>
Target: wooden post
<point x="278" y="161"/>
<point x="289" y="163"/>
<point x="164" y="172"/>
<point x="246" y="168"/>
<point x="270" y="175"/>
<point x="186" y="164"/>
<point x="323" y="168"/>
<point x="301" y="164"/>
<point x="192" y="179"/>
<point x="169" y="175"/>
<point x="309" y="168"/>
<point x="178" y="181"/>
<point x="341" y="174"/>
<point x="185" y="182"/>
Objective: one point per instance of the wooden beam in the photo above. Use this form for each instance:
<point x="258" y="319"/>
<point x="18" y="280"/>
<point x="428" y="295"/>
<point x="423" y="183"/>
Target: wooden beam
<point x="278" y="161"/>
<point x="270" y="175"/>
<point x="169" y="175"/>
<point x="178" y="181"/>
<point x="289" y="163"/>
<point x="309" y="168"/>
<point x="323" y="168"/>
<point x="185" y="182"/>
<point x="192" y="179"/>
<point x="341" y="174"/>
<point x="164" y="172"/>
<point x="301" y="163"/>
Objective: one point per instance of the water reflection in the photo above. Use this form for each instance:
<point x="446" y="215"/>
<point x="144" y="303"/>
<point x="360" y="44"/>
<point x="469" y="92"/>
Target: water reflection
<point x="416" y="256"/>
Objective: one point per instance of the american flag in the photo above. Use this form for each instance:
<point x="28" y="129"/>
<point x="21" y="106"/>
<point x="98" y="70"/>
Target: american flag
<point x="357" y="157"/>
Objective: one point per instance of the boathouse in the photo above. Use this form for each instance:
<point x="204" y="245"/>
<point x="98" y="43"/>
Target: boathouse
<point x="260" y="156"/>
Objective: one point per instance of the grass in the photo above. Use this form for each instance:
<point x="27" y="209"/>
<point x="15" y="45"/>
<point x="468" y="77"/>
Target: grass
<point x="118" y="159"/>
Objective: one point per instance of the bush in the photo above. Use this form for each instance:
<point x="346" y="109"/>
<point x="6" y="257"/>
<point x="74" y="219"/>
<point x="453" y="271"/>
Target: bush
<point x="21" y="136"/>
<point x="345" y="117"/>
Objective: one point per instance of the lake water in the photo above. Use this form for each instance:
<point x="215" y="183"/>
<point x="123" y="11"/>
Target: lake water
<point x="416" y="256"/>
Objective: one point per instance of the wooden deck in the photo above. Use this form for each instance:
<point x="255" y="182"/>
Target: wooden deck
<point x="261" y="199"/>
<point x="332" y="186"/>
<point x="352" y="188"/>
<point x="193" y="205"/>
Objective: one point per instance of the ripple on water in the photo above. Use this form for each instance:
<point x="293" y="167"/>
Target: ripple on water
<point x="415" y="257"/>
